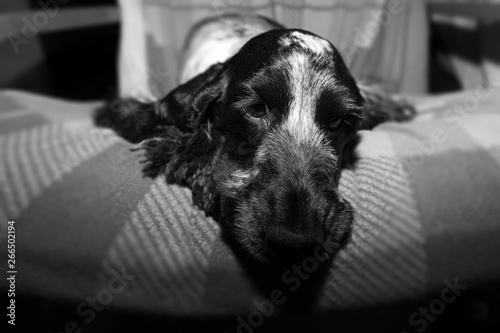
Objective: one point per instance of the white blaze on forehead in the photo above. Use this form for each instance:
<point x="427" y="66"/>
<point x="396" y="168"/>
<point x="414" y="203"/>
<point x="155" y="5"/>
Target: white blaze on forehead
<point x="306" y="85"/>
<point x="310" y="42"/>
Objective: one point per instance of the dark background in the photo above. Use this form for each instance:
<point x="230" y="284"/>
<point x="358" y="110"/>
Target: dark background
<point x="77" y="64"/>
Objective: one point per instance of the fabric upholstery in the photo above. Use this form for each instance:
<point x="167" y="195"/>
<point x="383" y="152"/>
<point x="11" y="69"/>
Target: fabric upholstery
<point x="426" y="210"/>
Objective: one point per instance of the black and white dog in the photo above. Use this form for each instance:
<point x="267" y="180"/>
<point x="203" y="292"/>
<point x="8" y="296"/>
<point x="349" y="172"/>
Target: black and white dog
<point x="259" y="129"/>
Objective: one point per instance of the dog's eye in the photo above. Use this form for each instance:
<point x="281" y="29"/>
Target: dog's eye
<point x="257" y="110"/>
<point x="334" y="125"/>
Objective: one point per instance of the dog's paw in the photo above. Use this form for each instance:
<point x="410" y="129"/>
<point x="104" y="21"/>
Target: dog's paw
<point x="400" y="109"/>
<point x="380" y="107"/>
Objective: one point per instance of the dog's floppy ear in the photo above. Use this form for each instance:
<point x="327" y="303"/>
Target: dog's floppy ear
<point x="174" y="132"/>
<point x="378" y="107"/>
<point x="184" y="108"/>
<point x="187" y="106"/>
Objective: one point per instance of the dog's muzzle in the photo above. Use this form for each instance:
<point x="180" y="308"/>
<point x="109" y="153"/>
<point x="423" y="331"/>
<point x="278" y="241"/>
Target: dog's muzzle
<point x="300" y="188"/>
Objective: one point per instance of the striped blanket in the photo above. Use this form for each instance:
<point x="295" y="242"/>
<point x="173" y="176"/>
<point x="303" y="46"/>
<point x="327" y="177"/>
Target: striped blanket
<point x="426" y="195"/>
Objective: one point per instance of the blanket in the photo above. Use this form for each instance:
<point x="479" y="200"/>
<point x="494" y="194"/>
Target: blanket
<point x="88" y="224"/>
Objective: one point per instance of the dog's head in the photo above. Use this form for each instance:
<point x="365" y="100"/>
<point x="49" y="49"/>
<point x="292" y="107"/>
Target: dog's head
<point x="261" y="139"/>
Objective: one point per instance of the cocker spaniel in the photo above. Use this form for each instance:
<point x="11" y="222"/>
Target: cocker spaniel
<point x="259" y="129"/>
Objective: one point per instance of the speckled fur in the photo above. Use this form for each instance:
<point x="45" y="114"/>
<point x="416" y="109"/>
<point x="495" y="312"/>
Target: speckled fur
<point x="260" y="137"/>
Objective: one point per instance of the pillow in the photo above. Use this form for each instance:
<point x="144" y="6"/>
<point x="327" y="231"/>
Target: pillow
<point x="88" y="224"/>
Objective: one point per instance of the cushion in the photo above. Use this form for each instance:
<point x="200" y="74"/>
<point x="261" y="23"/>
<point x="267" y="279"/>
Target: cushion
<point x="425" y="194"/>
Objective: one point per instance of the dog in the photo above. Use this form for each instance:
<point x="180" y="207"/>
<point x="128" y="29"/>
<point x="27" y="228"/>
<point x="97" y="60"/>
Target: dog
<point x="260" y="127"/>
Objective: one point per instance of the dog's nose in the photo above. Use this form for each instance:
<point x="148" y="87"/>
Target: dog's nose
<point x="296" y="223"/>
<point x="285" y="243"/>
